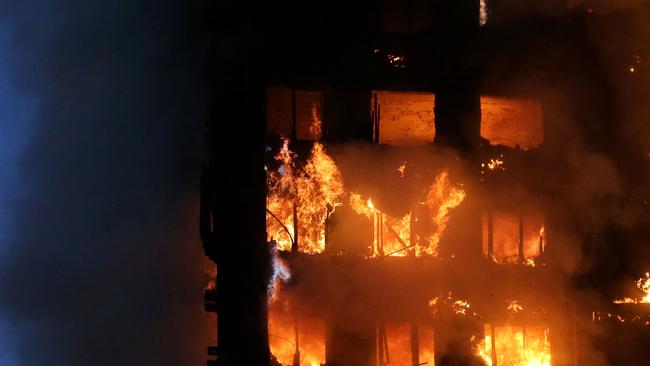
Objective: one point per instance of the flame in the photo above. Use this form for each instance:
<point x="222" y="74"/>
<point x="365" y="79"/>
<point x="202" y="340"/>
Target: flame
<point x="401" y="170"/>
<point x="307" y="196"/>
<point x="515" y="307"/>
<point x="643" y="284"/>
<point x="393" y="235"/>
<point x="398" y="342"/>
<point x="458" y="306"/>
<point x="440" y="199"/>
<point x="493" y="164"/>
<point x="517" y="346"/>
<point x="282" y="337"/>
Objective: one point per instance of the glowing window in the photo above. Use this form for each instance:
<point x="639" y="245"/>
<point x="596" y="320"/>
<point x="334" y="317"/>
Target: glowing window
<point x="403" y="118"/>
<point x="503" y="232"/>
<point x="282" y="337"/>
<point x="426" y="345"/>
<point x="291" y="112"/>
<point x="395" y="344"/>
<point x="511" y="345"/>
<point x="511" y="122"/>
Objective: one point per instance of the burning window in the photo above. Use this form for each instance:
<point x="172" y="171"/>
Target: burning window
<point x="511" y="122"/>
<point x="286" y="331"/>
<point x="515" y="345"/>
<point x="299" y="201"/>
<point x="397" y="341"/>
<point x="403" y="118"/>
<point x="510" y="238"/>
<point x="294" y="113"/>
<point x="418" y="232"/>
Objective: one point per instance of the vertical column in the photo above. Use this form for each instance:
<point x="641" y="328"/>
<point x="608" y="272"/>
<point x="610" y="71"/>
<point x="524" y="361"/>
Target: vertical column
<point x="415" y="344"/>
<point x="238" y="241"/>
<point x="457" y="105"/>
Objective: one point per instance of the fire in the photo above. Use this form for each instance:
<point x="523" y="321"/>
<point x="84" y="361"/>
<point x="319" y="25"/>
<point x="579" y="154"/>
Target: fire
<point x="440" y="199"/>
<point x="494" y="164"/>
<point x="643" y="284"/>
<point x="461" y="307"/>
<point x="401" y="170"/>
<point x="458" y="306"/>
<point x="286" y="331"/>
<point x="393" y="236"/>
<point x="516" y="346"/>
<point x="514" y="307"/>
<point x="300" y="200"/>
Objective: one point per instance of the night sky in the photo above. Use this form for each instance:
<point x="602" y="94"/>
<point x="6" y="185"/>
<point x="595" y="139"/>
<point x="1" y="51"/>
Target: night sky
<point x="102" y="108"/>
<point x="15" y="115"/>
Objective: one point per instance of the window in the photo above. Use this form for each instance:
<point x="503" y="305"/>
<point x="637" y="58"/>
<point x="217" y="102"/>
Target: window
<point x="294" y="113"/>
<point x="513" y="238"/>
<point x="515" y="123"/>
<point x="516" y="345"/>
<point x="403" y="118"/>
<point x="395" y="342"/>
<point x="282" y="336"/>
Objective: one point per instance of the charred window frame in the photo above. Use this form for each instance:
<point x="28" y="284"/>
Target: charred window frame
<point x="295" y="113"/>
<point x="530" y="237"/>
<point x="405" y="343"/>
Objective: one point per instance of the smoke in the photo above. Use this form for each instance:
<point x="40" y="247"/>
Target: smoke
<point x="104" y="265"/>
<point x="590" y="69"/>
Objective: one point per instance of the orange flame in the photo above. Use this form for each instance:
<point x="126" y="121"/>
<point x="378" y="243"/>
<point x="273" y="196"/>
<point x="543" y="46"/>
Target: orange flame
<point x="401" y="170"/>
<point x="518" y="346"/>
<point x="284" y="327"/>
<point x="643" y="284"/>
<point x="514" y="307"/>
<point x="307" y="196"/>
<point x="393" y="235"/>
<point x="441" y="198"/>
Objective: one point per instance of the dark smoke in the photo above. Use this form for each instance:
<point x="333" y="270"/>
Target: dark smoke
<point x="105" y="266"/>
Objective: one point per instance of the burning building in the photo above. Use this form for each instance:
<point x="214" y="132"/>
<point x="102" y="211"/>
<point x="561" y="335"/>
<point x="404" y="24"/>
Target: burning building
<point x="400" y="205"/>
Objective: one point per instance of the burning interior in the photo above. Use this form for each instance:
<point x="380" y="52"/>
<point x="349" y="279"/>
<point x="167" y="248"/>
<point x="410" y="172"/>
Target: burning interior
<point x="351" y="222"/>
<point x="408" y="222"/>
